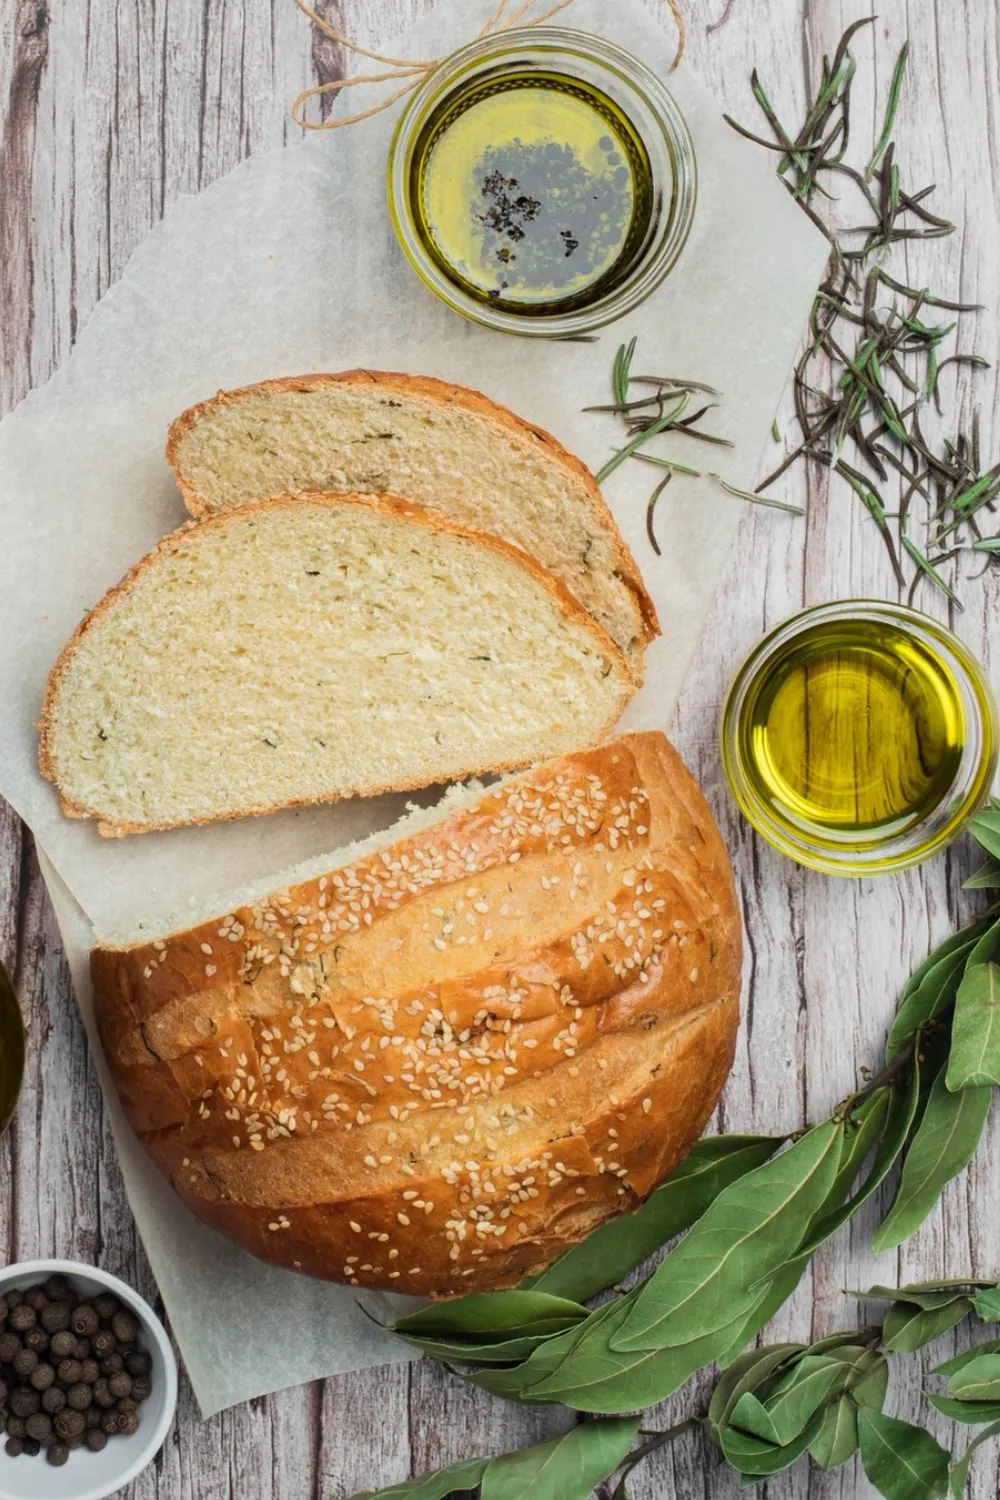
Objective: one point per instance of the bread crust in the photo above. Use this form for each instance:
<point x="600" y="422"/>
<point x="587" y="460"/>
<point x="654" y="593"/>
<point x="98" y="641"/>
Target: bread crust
<point x="427" y="388"/>
<point x="388" y="505"/>
<point x="437" y="1068"/>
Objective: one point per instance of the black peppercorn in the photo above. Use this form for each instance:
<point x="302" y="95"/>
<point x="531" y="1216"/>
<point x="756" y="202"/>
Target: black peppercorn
<point x="24" y="1361"/>
<point x="103" y="1343"/>
<point x="25" y="1402"/>
<point x="14" y="1297"/>
<point x="54" y="1399"/>
<point x="41" y="1377"/>
<point x="58" y="1454"/>
<point x="35" y="1297"/>
<point x="13" y="1447"/>
<point x="124" y="1327"/>
<point x="69" y="1424"/>
<point x="3" y="1393"/>
<point x="112" y="1364"/>
<point x="128" y="1423"/>
<point x="39" y="1426"/>
<point x="138" y="1363"/>
<point x="22" y="1318"/>
<point x="128" y="1403"/>
<point x="70" y="1371"/>
<point x="32" y="1446"/>
<point x="58" y="1289"/>
<point x="55" y="1316"/>
<point x="96" y="1440"/>
<point x="16" y="1427"/>
<point x="93" y="1415"/>
<point x="10" y="1345"/>
<point x="84" y="1320"/>
<point x="102" y="1395"/>
<point x="120" y="1385"/>
<point x="62" y="1344"/>
<point x="4" y="1308"/>
<point x="109" y="1423"/>
<point x="107" y="1305"/>
<point x="37" y="1339"/>
<point x="91" y="1372"/>
<point x="81" y="1349"/>
<point x="79" y="1396"/>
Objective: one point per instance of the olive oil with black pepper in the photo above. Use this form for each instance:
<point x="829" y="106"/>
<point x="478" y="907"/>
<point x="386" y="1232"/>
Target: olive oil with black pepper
<point x="856" y="731"/>
<point x="532" y="191"/>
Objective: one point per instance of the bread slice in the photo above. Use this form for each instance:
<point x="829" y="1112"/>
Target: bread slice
<point x="317" y="647"/>
<point x="436" y="444"/>
<point x="434" y="1064"/>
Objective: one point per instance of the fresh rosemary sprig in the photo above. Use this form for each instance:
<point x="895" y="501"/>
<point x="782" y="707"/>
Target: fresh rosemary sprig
<point x="650" y="416"/>
<point x="872" y="368"/>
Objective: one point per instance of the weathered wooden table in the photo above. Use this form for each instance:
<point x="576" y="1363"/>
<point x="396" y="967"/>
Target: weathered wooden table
<point x="110" y="110"/>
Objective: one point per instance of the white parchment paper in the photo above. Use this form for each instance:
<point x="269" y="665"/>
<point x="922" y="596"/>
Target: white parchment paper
<point x="289" y="265"/>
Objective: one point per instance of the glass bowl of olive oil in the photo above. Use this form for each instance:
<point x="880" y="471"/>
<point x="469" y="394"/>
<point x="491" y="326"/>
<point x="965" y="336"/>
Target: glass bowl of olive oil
<point x="542" y="181"/>
<point x="859" y="737"/>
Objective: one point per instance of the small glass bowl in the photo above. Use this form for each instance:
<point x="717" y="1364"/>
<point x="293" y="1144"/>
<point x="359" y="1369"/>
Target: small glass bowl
<point x="653" y="114"/>
<point x="854" y="851"/>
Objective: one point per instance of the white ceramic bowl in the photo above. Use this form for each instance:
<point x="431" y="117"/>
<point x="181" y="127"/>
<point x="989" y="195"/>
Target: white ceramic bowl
<point x="86" y="1475"/>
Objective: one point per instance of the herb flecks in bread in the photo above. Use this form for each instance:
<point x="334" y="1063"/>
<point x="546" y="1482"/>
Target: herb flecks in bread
<point x="435" y="1068"/>
<point x="315" y="648"/>
<point x="440" y="446"/>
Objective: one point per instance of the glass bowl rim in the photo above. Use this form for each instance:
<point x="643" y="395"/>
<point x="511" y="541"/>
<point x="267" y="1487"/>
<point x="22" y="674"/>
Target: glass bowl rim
<point x="896" y="852"/>
<point x="667" y="244"/>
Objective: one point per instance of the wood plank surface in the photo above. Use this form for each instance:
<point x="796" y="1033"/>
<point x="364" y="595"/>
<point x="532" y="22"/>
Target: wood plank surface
<point x="110" y="109"/>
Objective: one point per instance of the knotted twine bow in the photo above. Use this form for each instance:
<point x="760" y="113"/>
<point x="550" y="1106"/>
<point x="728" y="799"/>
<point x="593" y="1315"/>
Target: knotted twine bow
<point x="503" y="19"/>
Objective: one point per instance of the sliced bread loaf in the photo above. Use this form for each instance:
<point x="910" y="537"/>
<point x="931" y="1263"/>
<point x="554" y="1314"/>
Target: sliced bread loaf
<point x="438" y="445"/>
<point x="316" y="647"/>
<point x="434" y="1064"/>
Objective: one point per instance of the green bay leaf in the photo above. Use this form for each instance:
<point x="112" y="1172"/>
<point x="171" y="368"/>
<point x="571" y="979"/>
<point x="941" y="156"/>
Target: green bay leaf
<point x="970" y="1413"/>
<point x="837" y="1439"/>
<point x="944" y="1144"/>
<point x="907" y="1328"/>
<point x="455" y="1479"/>
<point x="750" y="1230"/>
<point x="614" y="1249"/>
<point x="932" y="987"/>
<point x="903" y="1462"/>
<point x="959" y="1361"/>
<point x="491" y="1315"/>
<point x="749" y="1373"/>
<point x="987" y="1304"/>
<point x="979" y="1380"/>
<point x="568" y="1468"/>
<point x="974" y="1060"/>
<point x="960" y="1472"/>
<point x="800" y="1393"/>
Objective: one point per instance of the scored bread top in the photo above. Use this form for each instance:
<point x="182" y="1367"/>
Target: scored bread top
<point x="316" y="647"/>
<point x="437" y="444"/>
<point x="437" y="1067"/>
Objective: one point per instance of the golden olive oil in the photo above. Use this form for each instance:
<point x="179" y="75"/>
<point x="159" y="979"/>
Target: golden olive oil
<point x="532" y="191"/>
<point x="855" y="731"/>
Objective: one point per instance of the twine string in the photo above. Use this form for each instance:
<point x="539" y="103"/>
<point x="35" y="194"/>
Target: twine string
<point x="412" y="73"/>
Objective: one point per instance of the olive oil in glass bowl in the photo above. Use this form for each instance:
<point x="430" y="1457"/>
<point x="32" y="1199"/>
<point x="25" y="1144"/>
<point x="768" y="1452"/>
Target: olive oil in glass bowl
<point x="542" y="181"/>
<point x="859" y="737"/>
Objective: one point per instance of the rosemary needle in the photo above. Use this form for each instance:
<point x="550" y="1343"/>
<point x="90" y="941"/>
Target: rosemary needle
<point x="650" y="509"/>
<point x="731" y="489"/>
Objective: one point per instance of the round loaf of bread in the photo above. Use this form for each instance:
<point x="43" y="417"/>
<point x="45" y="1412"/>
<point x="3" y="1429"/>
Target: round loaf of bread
<point x="442" y="1063"/>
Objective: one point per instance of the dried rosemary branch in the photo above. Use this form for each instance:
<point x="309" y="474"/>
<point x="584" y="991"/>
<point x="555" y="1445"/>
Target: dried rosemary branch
<point x="873" y="366"/>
